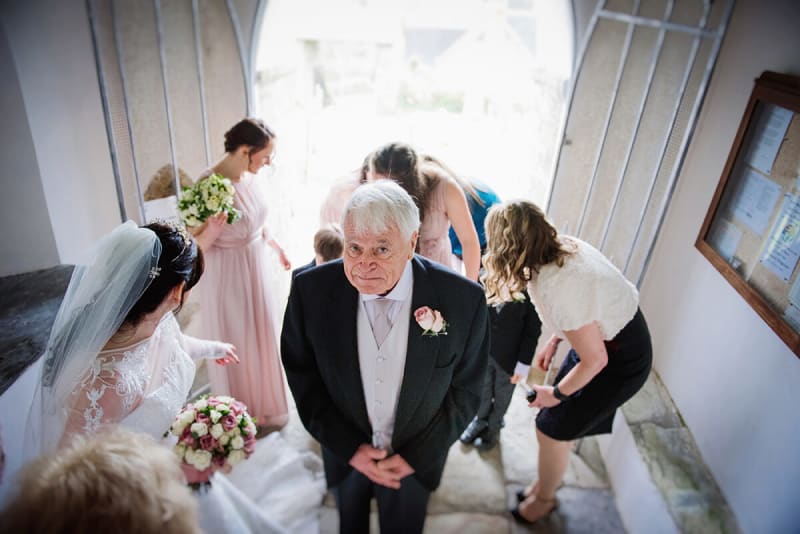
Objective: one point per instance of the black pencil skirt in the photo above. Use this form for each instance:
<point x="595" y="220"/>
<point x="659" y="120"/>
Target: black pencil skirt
<point x="591" y="409"/>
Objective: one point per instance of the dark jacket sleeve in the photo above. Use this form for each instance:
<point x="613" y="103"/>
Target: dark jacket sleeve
<point x="314" y="403"/>
<point x="531" y="330"/>
<point x="461" y="401"/>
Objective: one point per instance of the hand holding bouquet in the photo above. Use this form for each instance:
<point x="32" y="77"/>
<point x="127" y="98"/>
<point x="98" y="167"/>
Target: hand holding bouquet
<point x="206" y="198"/>
<point x="213" y="433"/>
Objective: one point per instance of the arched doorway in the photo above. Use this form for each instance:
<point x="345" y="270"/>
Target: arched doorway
<point x="480" y="85"/>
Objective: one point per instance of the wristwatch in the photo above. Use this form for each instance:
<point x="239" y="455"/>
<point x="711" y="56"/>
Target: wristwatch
<point x="557" y="394"/>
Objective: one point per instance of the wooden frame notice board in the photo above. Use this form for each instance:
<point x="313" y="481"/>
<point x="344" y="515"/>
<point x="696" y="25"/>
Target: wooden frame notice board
<point x="751" y="233"/>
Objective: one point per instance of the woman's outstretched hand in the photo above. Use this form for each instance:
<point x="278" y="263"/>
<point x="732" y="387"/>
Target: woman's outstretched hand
<point x="229" y="357"/>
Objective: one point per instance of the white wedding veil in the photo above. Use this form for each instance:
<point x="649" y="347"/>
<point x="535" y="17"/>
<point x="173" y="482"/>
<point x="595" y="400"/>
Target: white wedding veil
<point x="103" y="289"/>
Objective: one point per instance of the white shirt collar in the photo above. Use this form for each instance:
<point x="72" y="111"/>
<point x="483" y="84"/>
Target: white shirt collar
<point x="401" y="290"/>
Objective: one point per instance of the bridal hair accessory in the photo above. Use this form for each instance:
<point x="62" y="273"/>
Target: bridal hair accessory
<point x="154" y="271"/>
<point x="181" y="231"/>
<point x="213" y="432"/>
<point x="431" y="321"/>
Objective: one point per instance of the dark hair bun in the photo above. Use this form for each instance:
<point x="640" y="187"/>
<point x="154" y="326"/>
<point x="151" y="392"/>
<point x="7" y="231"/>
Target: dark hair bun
<point x="248" y="132"/>
<point x="181" y="260"/>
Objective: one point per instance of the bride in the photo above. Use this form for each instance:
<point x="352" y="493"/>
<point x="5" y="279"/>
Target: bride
<point x="116" y="355"/>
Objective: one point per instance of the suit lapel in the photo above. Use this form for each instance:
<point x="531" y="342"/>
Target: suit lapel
<point x="342" y="314"/>
<point x="421" y="352"/>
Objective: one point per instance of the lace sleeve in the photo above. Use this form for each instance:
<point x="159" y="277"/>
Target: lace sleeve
<point x="109" y="391"/>
<point x="203" y="349"/>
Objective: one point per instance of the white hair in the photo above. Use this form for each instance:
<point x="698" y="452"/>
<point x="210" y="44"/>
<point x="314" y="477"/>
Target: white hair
<point x="376" y="207"/>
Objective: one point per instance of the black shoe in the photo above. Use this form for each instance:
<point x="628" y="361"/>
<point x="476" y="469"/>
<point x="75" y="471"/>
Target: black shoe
<point x="474" y="430"/>
<point x="518" y="516"/>
<point x="485" y="443"/>
<point x="552" y="503"/>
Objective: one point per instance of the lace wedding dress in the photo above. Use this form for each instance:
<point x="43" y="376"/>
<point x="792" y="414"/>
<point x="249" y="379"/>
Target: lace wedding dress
<point x="276" y="490"/>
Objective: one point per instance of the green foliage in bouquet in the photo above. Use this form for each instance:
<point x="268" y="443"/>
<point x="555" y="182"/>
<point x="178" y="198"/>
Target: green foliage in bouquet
<point x="207" y="198"/>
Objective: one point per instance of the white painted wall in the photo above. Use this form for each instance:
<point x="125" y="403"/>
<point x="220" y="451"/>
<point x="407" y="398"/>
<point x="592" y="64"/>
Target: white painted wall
<point x="27" y="242"/>
<point x="735" y="382"/>
<point x="51" y="48"/>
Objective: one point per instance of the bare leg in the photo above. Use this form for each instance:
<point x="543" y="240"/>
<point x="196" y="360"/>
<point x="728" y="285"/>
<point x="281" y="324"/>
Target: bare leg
<point x="553" y="461"/>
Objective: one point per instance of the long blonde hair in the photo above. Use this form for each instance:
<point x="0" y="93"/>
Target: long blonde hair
<point x="519" y="241"/>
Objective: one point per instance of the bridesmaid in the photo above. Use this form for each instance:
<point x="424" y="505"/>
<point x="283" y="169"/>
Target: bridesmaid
<point x="235" y="293"/>
<point x="440" y="199"/>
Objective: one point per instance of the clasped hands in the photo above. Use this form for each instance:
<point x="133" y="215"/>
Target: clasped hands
<point x="374" y="465"/>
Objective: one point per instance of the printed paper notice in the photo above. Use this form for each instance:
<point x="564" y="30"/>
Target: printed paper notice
<point x="768" y="135"/>
<point x="754" y="200"/>
<point x="783" y="246"/>
<point x="725" y="237"/>
<point x="792" y="316"/>
<point x="794" y="293"/>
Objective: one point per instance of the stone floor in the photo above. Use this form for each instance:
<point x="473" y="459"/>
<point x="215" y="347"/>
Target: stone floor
<point x="476" y="490"/>
<point x="478" y="487"/>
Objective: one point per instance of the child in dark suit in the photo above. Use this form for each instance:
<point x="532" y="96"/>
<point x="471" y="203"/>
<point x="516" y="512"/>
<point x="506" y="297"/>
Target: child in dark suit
<point x="515" y="330"/>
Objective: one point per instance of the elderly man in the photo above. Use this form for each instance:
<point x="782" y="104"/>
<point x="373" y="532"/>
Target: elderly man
<point x="385" y="353"/>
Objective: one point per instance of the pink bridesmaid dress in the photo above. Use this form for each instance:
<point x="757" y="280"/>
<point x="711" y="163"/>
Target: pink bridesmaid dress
<point x="434" y="239"/>
<point x="235" y="307"/>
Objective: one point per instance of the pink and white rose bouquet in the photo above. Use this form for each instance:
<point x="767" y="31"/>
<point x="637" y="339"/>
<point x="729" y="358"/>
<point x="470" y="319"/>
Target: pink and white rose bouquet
<point x="213" y="433"/>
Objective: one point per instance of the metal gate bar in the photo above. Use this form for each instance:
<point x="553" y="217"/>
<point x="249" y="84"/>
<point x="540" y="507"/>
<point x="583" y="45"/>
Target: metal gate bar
<point x="626" y="47"/>
<point x="663" y="150"/>
<point x="642" y="103"/>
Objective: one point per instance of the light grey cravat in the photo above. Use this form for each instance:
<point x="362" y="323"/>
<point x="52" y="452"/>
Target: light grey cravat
<point x="381" y="324"/>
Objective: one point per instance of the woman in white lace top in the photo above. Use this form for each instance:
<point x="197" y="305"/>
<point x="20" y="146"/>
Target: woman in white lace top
<point x="586" y="300"/>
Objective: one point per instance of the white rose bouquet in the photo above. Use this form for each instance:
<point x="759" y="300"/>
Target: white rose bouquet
<point x="206" y="198"/>
<point x="213" y="433"/>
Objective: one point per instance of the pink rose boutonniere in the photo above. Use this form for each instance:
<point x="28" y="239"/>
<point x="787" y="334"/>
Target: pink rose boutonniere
<point x="431" y="321"/>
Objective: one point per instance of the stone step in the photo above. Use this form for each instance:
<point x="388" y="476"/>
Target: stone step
<point x="657" y="472"/>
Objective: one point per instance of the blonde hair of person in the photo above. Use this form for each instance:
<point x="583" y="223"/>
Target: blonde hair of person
<point x="114" y="481"/>
<point x="519" y="241"/>
<point x="162" y="184"/>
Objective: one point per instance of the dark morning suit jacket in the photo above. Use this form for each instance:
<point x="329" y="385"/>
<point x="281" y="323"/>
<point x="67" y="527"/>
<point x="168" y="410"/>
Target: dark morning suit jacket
<point x="443" y="375"/>
<point x="303" y="268"/>
<point x="515" y="331"/>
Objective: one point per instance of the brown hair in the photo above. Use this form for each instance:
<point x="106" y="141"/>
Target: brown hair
<point x="519" y="241"/>
<point x="115" y="481"/>
<point x="181" y="260"/>
<point x="399" y="162"/>
<point x="329" y="242"/>
<point x="466" y="186"/>
<point x="249" y="132"/>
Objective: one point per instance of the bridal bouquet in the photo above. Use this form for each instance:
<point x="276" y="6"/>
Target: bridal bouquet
<point x="214" y="432"/>
<point x="206" y="198"/>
